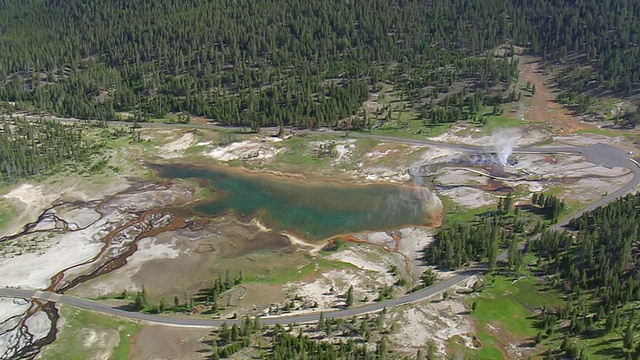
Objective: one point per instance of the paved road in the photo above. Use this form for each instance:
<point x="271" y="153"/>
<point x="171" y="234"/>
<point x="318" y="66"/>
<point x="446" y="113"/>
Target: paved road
<point x="267" y="320"/>
<point x="600" y="154"/>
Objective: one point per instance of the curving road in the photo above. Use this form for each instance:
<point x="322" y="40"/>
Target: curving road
<point x="265" y="320"/>
<point x="599" y="154"/>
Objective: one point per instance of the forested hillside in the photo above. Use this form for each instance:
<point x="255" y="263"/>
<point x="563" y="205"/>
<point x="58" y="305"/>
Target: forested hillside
<point x="603" y="34"/>
<point x="299" y="62"/>
<point x="598" y="268"/>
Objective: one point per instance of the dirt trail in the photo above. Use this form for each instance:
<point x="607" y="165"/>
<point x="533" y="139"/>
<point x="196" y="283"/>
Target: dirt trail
<point x="543" y="107"/>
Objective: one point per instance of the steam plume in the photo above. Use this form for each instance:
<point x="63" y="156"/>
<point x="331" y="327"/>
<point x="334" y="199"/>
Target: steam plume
<point x="503" y="142"/>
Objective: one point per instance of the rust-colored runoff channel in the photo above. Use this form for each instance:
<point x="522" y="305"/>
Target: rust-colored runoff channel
<point x="144" y="222"/>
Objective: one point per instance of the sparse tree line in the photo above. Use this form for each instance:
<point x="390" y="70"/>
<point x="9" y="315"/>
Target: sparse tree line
<point x="41" y="147"/>
<point x="550" y="205"/>
<point x="205" y="301"/>
<point x="458" y="244"/>
<point x="331" y="338"/>
<point x="481" y="239"/>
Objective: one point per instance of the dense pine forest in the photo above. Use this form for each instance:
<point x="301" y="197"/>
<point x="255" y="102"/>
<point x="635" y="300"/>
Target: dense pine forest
<point x="603" y="34"/>
<point x="300" y="63"/>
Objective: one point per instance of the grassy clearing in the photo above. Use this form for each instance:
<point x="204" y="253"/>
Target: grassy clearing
<point x="455" y="214"/>
<point x="512" y="302"/>
<point x="631" y="137"/>
<point x="194" y="150"/>
<point x="488" y="350"/>
<point x="124" y="142"/>
<point x="554" y="190"/>
<point x="610" y="133"/>
<point x="300" y="153"/>
<point x="204" y="193"/>
<point x="437" y="130"/>
<point x="507" y="304"/>
<point x="415" y="129"/>
<point x="7" y="212"/>
<point x="270" y="269"/>
<point x="338" y="245"/>
<point x="70" y="345"/>
<point x="290" y="274"/>
<point x="571" y="209"/>
<point x="363" y="147"/>
<point x="494" y="123"/>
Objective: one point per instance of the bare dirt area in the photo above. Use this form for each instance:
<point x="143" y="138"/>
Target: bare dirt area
<point x="387" y="162"/>
<point x="126" y="218"/>
<point x="330" y="289"/>
<point x="373" y="255"/>
<point x="470" y="198"/>
<point x="30" y="199"/>
<point x="255" y="150"/>
<point x="436" y="155"/>
<point x="184" y="261"/>
<point x="69" y="233"/>
<point x="587" y="190"/>
<point x="518" y="137"/>
<point x="401" y="248"/>
<point x="570" y="176"/>
<point x="160" y="343"/>
<point x="434" y="321"/>
<point x="411" y="245"/>
<point x="370" y="259"/>
<point x="177" y="147"/>
<point x="541" y="107"/>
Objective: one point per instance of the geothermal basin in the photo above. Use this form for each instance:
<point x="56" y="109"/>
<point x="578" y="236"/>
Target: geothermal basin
<point x="314" y="211"/>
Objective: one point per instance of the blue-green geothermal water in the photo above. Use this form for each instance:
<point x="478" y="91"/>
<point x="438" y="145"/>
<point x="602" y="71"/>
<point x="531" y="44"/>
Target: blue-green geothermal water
<point x="313" y="210"/>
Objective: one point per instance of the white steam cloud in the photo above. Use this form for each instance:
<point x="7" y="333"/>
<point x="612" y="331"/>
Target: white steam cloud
<point x="504" y="140"/>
